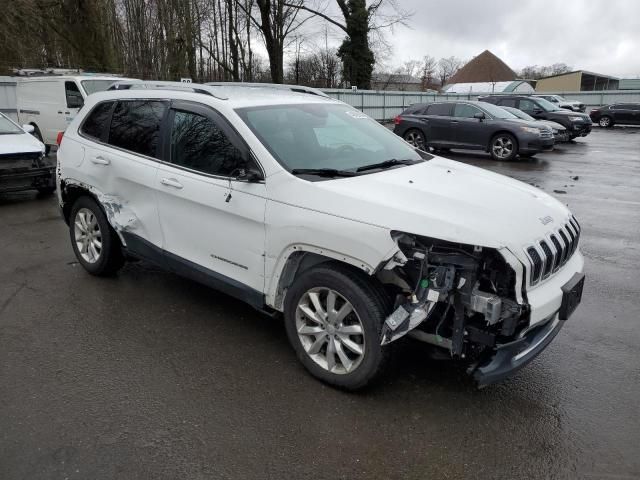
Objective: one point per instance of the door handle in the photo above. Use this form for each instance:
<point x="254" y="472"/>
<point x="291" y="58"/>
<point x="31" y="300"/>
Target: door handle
<point x="171" y="182"/>
<point x="99" y="160"/>
<point x="454" y="121"/>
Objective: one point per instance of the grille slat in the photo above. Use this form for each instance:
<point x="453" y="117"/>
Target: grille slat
<point x="550" y="254"/>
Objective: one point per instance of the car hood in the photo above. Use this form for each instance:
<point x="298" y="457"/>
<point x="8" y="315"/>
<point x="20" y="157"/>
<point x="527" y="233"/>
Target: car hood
<point x="524" y="123"/>
<point x="442" y="199"/>
<point x="569" y="113"/>
<point x="19" y="143"/>
<point x="553" y="124"/>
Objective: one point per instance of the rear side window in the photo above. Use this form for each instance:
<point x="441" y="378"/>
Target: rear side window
<point x="507" y="102"/>
<point x="440" y="109"/>
<point x="199" y="144"/>
<point x="96" y="125"/>
<point x="135" y="126"/>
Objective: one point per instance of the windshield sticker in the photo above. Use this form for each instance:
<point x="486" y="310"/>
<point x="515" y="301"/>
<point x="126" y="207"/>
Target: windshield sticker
<point x="353" y="114"/>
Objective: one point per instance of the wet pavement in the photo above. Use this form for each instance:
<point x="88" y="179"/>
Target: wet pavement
<point x="148" y="375"/>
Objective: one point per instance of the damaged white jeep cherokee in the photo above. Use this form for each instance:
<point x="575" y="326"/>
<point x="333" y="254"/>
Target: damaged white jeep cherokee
<point x="299" y="204"/>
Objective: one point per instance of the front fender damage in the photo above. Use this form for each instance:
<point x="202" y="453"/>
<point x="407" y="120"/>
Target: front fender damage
<point x="459" y="297"/>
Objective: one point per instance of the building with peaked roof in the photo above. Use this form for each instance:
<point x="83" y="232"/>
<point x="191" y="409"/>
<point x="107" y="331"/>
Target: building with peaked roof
<point x="577" y="81"/>
<point x="486" y="67"/>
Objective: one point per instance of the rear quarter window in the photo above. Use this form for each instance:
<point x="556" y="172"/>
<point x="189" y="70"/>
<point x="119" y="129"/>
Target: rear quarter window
<point x="135" y="126"/>
<point x="96" y="125"/>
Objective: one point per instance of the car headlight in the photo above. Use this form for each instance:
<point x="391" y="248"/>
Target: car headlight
<point x="554" y="131"/>
<point x="576" y="119"/>
<point x="533" y="130"/>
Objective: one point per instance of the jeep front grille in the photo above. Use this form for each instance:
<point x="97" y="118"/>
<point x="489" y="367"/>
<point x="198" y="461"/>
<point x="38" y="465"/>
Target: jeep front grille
<point x="547" y="256"/>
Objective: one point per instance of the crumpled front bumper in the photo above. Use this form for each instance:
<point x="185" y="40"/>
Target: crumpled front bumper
<point x="510" y="357"/>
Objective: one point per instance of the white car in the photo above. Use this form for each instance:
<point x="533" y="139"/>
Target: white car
<point x="23" y="165"/>
<point x="573" y="105"/>
<point x="303" y="206"/>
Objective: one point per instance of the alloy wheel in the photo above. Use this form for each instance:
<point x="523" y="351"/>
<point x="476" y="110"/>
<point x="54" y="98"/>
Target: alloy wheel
<point x="605" y="121"/>
<point x="330" y="330"/>
<point x="87" y="235"/>
<point x="503" y="147"/>
<point x="415" y="139"/>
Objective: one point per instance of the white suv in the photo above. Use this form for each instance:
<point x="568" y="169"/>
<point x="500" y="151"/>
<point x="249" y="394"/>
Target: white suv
<point x="301" y="205"/>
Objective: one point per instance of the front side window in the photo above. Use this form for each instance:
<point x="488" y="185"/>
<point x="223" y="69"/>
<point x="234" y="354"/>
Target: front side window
<point x="96" y="124"/>
<point x="73" y="95"/>
<point x="528" y="105"/>
<point x="463" y="110"/>
<point x="324" y="136"/>
<point x="135" y="126"/>
<point x="199" y="144"/>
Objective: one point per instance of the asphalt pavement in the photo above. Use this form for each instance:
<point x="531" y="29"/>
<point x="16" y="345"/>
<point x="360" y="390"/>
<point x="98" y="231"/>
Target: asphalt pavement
<point x="151" y="376"/>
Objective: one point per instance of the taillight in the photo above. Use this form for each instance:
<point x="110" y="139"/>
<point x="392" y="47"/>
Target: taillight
<point x="59" y="138"/>
<point x="594" y="110"/>
<point x="397" y="120"/>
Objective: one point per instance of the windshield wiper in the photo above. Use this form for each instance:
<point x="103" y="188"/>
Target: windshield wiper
<point x="323" y="172"/>
<point x="386" y="164"/>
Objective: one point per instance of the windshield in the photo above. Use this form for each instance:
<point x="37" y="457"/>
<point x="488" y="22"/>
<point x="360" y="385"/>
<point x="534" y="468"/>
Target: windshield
<point x="519" y="113"/>
<point x="324" y="136"/>
<point x="8" y="127"/>
<point x="497" y="112"/>
<point x="93" y="86"/>
<point x="546" y="105"/>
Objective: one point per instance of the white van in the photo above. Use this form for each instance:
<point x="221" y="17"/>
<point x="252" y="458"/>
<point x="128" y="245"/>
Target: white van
<point x="49" y="103"/>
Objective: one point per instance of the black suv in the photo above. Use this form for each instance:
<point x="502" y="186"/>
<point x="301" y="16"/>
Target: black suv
<point x="623" y="113"/>
<point x="472" y="125"/>
<point x="577" y="124"/>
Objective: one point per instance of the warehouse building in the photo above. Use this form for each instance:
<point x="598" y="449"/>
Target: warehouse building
<point x="578" y="81"/>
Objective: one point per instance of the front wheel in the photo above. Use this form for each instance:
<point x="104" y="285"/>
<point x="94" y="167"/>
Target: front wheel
<point x="415" y="138"/>
<point x="605" y="122"/>
<point x="333" y="317"/>
<point x="504" y="147"/>
<point x="95" y="243"/>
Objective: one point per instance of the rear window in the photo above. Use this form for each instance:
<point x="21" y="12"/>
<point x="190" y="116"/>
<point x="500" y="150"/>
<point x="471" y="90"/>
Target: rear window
<point x="97" y="122"/>
<point x="440" y="109"/>
<point x="135" y="126"/>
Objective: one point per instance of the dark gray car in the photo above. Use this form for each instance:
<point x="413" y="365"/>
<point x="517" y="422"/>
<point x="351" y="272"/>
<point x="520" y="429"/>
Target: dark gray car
<point x="472" y="125"/>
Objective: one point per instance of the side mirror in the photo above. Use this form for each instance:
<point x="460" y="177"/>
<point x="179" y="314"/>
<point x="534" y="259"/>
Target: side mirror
<point x="75" y="101"/>
<point x="480" y="116"/>
<point x="28" y="128"/>
<point x="249" y="175"/>
<point x="537" y="111"/>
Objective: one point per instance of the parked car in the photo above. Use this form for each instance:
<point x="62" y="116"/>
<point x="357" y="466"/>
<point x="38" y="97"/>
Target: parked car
<point x="560" y="133"/>
<point x="618" y="113"/>
<point x="49" y="103"/>
<point x="562" y="102"/>
<point x="23" y="165"/>
<point x="577" y="124"/>
<point x="472" y="125"/>
<point x="306" y="208"/>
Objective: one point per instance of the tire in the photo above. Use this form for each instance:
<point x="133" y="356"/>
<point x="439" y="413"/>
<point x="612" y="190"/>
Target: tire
<point x="415" y="138"/>
<point x="38" y="135"/>
<point x="369" y="308"/>
<point x="503" y="147"/>
<point x="605" y="121"/>
<point x="87" y="216"/>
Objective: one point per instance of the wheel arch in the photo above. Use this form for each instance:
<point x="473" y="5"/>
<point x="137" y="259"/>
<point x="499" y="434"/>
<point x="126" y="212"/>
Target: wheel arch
<point x="299" y="258"/>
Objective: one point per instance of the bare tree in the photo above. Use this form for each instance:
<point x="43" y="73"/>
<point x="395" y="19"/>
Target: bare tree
<point x="428" y="72"/>
<point x="447" y="67"/>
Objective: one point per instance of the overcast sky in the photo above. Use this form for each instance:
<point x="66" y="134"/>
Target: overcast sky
<point x="597" y="35"/>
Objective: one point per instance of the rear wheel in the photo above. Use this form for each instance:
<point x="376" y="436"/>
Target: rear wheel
<point x="415" y="138"/>
<point x="95" y="243"/>
<point x="504" y="147"/>
<point x="605" y="121"/>
<point x="334" y="316"/>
